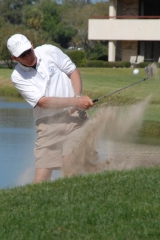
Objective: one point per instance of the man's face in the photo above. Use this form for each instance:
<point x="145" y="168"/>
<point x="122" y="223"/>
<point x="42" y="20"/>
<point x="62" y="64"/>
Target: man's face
<point x="27" y="58"/>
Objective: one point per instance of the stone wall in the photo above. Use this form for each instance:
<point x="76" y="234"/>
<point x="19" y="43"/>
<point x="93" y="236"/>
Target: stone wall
<point x="126" y="49"/>
<point x="129" y="48"/>
<point x="127" y="7"/>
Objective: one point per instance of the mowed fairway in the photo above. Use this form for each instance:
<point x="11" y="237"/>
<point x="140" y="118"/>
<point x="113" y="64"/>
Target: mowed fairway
<point x="101" y="81"/>
<point x="6" y="87"/>
<point x="98" y="82"/>
<point x="5" y="77"/>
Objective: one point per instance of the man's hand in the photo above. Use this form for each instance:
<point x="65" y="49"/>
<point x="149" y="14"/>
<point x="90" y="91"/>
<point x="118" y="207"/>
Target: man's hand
<point x="83" y="102"/>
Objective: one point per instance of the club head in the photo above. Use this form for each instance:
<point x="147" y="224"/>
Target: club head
<point x="149" y="71"/>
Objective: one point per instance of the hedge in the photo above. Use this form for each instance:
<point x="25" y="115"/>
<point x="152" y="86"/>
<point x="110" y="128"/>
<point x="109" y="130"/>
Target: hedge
<point x="78" y="57"/>
<point x="102" y="64"/>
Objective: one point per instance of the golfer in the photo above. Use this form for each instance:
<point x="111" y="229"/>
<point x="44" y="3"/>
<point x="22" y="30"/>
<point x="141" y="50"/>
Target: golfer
<point x="50" y="82"/>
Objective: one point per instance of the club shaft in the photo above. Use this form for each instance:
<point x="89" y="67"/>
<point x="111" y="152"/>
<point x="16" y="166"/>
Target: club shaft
<point x="119" y="90"/>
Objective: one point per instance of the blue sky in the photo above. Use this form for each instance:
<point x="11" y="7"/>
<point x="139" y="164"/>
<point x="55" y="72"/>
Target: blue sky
<point x="93" y="1"/>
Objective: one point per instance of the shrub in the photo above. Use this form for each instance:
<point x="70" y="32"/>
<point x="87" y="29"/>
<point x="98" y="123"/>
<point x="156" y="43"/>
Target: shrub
<point x="103" y="58"/>
<point x="78" y="57"/>
<point x="123" y="64"/>
<point x="158" y="65"/>
<point x="143" y="64"/>
<point x="100" y="63"/>
<point x="95" y="63"/>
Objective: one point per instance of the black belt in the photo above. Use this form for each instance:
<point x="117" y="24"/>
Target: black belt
<point x="55" y="118"/>
<point x="64" y="117"/>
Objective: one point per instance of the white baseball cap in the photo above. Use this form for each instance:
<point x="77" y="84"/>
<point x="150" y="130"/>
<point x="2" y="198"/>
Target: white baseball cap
<point x="17" y="44"/>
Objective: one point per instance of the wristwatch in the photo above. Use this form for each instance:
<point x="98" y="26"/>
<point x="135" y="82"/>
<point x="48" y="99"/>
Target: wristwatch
<point x="78" y="95"/>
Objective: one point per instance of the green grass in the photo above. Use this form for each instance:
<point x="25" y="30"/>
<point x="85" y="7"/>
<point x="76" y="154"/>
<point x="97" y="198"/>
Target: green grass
<point x="5" y="73"/>
<point x="153" y="112"/>
<point x="98" y="82"/>
<point x="6" y="87"/>
<point x="111" y="205"/>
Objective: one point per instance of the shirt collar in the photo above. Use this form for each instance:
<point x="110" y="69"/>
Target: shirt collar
<point x="25" y="68"/>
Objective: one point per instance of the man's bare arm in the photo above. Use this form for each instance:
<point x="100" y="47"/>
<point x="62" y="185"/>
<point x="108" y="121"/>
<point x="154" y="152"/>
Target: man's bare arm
<point x="83" y="102"/>
<point x="76" y="81"/>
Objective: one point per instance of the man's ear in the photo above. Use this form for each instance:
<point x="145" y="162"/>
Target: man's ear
<point x="14" y="58"/>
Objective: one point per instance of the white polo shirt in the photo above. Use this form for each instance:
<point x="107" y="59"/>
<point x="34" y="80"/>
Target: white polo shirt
<point x="50" y="79"/>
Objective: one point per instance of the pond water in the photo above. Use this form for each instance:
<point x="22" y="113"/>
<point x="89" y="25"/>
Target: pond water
<point x="17" y="137"/>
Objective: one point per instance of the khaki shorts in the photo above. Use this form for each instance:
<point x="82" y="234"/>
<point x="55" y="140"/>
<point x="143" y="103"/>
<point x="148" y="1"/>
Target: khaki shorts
<point x="56" y="137"/>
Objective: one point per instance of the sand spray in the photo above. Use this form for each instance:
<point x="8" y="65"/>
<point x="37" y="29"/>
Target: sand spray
<point x="108" y="130"/>
<point x="105" y="143"/>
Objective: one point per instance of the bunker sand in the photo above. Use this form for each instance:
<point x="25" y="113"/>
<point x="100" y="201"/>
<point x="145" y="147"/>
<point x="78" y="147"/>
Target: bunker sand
<point x="130" y="155"/>
<point x="104" y="142"/>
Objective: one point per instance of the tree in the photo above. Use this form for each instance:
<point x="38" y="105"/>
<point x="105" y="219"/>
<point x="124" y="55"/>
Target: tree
<point x="6" y="31"/>
<point x="77" y="18"/>
<point x="12" y="10"/>
<point x="98" y="50"/>
<point x="33" y="17"/>
<point x="80" y="2"/>
<point x="52" y="24"/>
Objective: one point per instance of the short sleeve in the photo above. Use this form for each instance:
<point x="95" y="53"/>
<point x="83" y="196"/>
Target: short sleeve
<point x="62" y="61"/>
<point x="27" y="89"/>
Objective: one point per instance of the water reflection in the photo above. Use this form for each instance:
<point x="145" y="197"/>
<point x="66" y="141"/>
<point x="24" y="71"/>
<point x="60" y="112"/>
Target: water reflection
<point x="17" y="136"/>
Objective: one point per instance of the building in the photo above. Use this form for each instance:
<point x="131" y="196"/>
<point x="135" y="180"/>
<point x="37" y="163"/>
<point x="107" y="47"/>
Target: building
<point x="132" y="28"/>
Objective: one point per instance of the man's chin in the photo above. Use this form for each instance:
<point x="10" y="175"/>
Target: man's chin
<point x="32" y="64"/>
<point x="29" y="63"/>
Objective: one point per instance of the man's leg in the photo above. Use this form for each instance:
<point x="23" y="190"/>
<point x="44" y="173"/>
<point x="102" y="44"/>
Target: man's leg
<point x="67" y="167"/>
<point x="42" y="174"/>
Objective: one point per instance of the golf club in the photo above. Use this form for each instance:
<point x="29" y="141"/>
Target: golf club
<point x="149" y="72"/>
